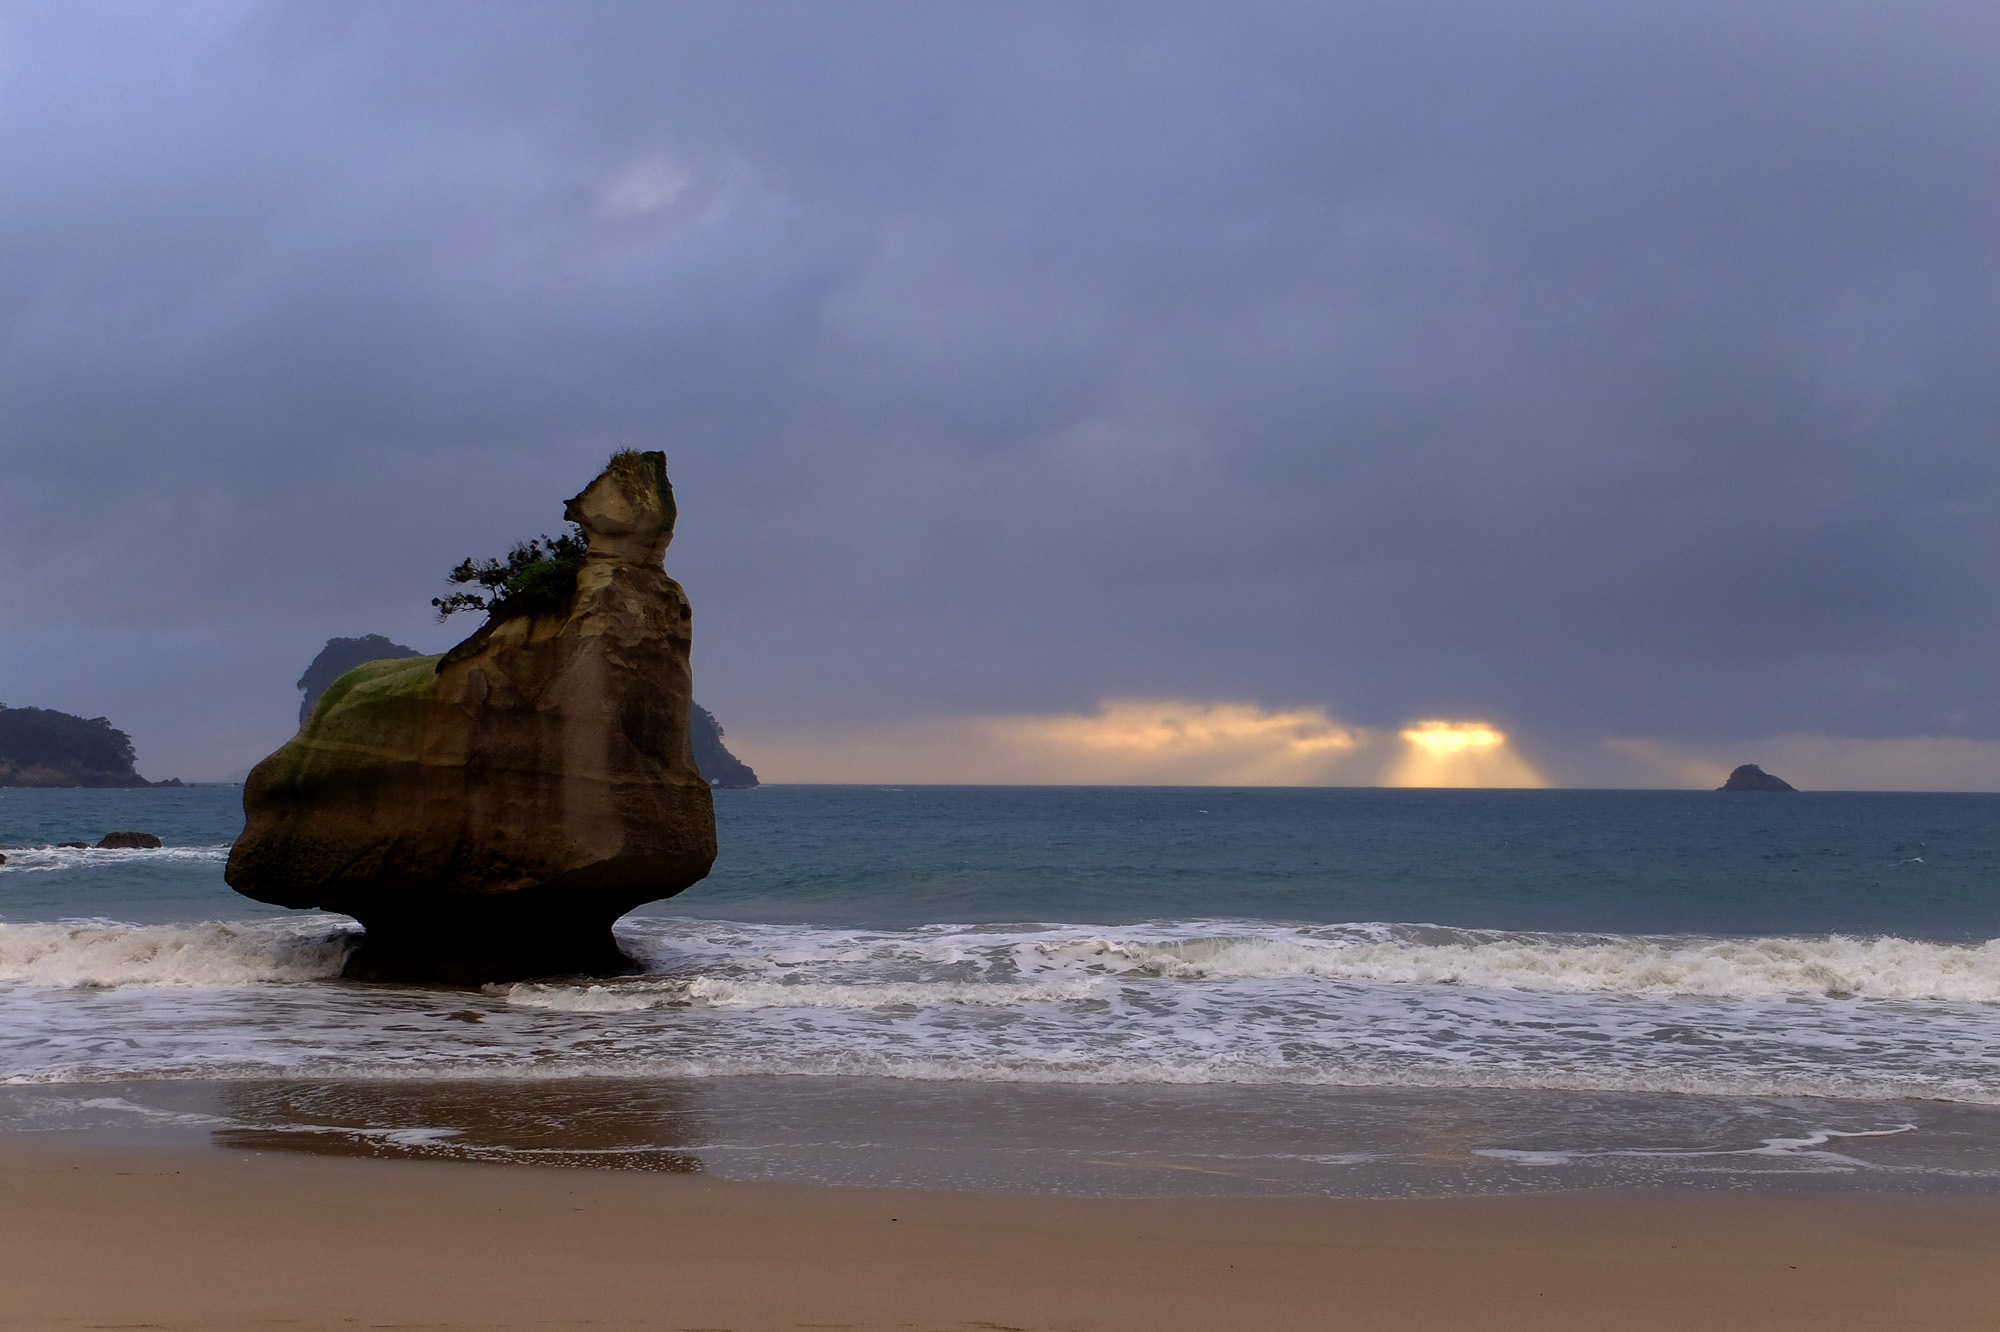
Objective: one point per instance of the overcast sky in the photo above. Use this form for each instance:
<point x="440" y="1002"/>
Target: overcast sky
<point x="1598" y="371"/>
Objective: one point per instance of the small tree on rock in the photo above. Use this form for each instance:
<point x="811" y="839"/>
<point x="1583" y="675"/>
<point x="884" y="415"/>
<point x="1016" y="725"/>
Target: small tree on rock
<point x="536" y="576"/>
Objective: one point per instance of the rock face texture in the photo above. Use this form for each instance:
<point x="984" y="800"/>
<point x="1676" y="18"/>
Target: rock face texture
<point x="1750" y="777"/>
<point x="712" y="759"/>
<point x="337" y="658"/>
<point x="489" y="813"/>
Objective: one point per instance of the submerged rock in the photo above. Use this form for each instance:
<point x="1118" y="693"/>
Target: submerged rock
<point x="129" y="841"/>
<point x="489" y="813"/>
<point x="1750" y="777"/>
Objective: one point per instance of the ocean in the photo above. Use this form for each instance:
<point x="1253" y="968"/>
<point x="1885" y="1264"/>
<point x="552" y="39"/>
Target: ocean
<point x="1113" y="991"/>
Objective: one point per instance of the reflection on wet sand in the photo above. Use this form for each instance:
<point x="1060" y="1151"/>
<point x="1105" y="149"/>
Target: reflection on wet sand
<point x="598" y="1123"/>
<point x="1101" y="1141"/>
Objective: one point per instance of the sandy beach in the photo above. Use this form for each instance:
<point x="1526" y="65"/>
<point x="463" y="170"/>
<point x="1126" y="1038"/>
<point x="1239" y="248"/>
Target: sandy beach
<point x="97" y="1236"/>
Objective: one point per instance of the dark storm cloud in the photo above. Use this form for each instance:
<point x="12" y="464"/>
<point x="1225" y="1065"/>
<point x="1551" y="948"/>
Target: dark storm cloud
<point x="1602" y="368"/>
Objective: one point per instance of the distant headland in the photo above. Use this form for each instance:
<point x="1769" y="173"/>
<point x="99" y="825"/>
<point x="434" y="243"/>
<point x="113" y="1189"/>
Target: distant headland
<point x="43" y="747"/>
<point x="717" y="765"/>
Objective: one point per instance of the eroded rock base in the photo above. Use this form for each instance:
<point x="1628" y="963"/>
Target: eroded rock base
<point x="467" y="950"/>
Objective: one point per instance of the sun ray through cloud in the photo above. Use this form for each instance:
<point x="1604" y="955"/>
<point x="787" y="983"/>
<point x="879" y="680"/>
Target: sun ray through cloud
<point x="1459" y="753"/>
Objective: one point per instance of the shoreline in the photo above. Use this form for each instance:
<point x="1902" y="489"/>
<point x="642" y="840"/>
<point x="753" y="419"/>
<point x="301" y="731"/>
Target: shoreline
<point x="1082" y="1140"/>
<point x="185" y="1236"/>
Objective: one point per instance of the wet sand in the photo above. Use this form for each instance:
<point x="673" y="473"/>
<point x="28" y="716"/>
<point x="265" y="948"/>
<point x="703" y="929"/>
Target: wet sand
<point x="95" y="1235"/>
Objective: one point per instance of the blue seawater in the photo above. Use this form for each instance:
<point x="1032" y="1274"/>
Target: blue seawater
<point x="1804" y="982"/>
<point x="1920" y="865"/>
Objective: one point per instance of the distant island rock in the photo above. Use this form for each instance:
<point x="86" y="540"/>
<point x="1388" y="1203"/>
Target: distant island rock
<point x="337" y="658"/>
<point x="712" y="758"/>
<point x="42" y="747"/>
<point x="129" y="841"/>
<point x="1750" y="777"/>
<point x="489" y="813"/>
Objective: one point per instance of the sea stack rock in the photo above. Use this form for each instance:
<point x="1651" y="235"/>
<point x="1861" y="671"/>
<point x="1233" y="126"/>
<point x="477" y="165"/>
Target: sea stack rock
<point x="1750" y="777"/>
<point x="489" y="813"/>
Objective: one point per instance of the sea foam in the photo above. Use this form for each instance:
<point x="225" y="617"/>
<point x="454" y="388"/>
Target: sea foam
<point x="103" y="953"/>
<point x="44" y="859"/>
<point x="722" y="992"/>
<point x="1190" y="1001"/>
<point x="724" y="964"/>
<point x="1833" y="967"/>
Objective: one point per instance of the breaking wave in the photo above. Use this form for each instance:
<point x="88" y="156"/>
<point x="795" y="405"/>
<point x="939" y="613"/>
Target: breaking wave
<point x="43" y="859"/>
<point x="1201" y="1001"/>
<point x="1834" y="967"/>
<point x="729" y="965"/>
<point x="720" y="992"/>
<point x="102" y="953"/>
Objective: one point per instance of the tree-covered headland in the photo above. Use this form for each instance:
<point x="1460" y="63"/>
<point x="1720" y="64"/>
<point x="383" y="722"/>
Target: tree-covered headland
<point x="43" y="747"/>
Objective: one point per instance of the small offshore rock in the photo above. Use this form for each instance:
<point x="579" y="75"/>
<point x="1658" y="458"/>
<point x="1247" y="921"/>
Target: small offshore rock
<point x="1750" y="777"/>
<point x="129" y="841"/>
<point x="73" y="846"/>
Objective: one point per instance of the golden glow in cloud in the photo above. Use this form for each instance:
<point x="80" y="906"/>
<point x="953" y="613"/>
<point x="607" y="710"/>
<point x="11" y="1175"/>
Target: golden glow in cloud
<point x="1459" y="753"/>
<point x="1443" y="737"/>
<point x="1175" y="742"/>
<point x="1163" y="742"/>
<point x="1197" y="744"/>
<point x="1146" y="742"/>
